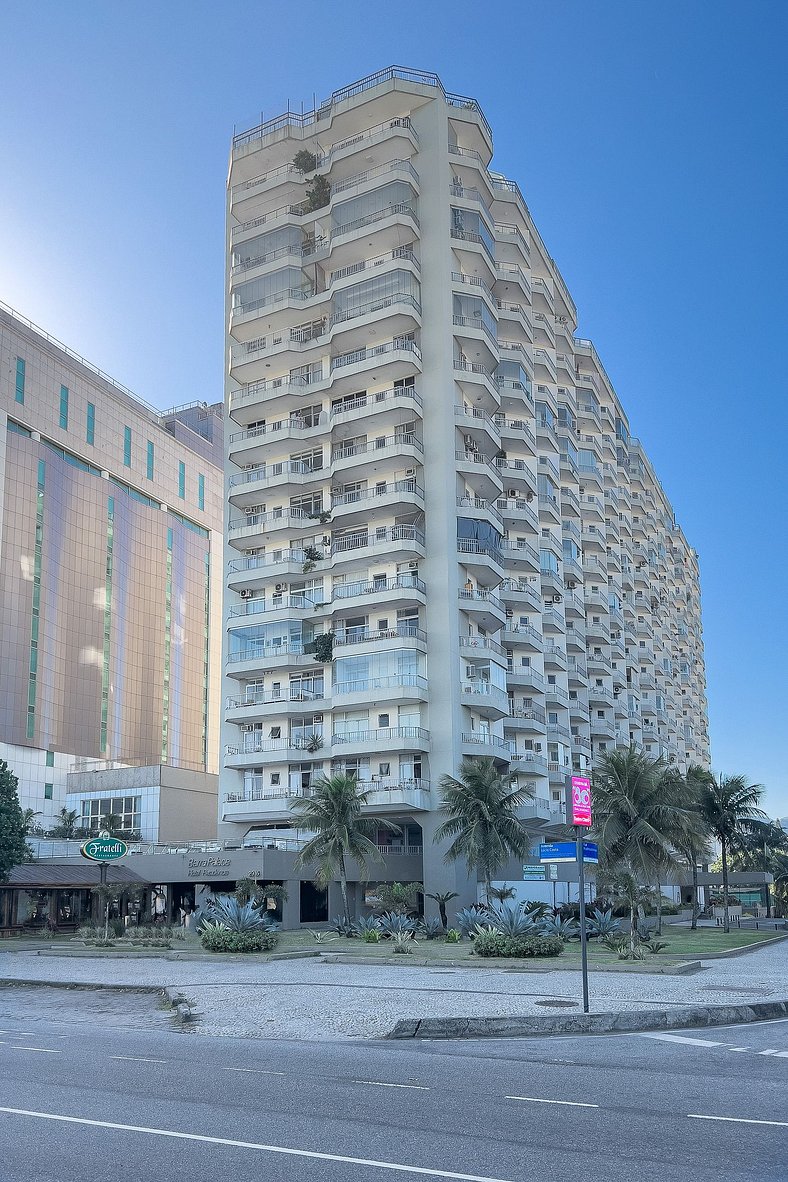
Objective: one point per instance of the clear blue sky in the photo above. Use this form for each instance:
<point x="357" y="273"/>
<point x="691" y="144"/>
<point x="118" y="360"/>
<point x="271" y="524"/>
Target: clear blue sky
<point x="650" y="143"/>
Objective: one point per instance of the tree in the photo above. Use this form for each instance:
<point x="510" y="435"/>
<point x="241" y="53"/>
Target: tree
<point x="67" y="825"/>
<point x="503" y="893"/>
<point x="641" y="815"/>
<point x="759" y="848"/>
<point x="625" y="887"/>
<point x="13" y="847"/>
<point x="32" y="826"/>
<point x="401" y="898"/>
<point x="481" y="815"/>
<point x="332" y="812"/>
<point x="729" y="805"/>
<point x="693" y="845"/>
<point x="442" y="898"/>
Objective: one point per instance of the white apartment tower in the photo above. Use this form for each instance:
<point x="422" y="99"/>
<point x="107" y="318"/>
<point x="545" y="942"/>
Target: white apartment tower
<point x="442" y="539"/>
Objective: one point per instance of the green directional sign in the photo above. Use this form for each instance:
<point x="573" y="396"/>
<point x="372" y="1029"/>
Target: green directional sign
<point x="103" y="849"/>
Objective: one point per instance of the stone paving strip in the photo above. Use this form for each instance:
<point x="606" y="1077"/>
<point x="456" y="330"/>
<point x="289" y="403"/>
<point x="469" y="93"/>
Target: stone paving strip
<point x="316" y="999"/>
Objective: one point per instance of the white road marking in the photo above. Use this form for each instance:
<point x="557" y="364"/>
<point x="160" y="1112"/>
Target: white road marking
<point x="695" y="1042"/>
<point x="376" y="1083"/>
<point x="539" y="1100"/>
<point x="255" y="1070"/>
<point x="138" y="1059"/>
<point x="41" y="1050"/>
<point x="739" y="1120"/>
<point x="308" y="1153"/>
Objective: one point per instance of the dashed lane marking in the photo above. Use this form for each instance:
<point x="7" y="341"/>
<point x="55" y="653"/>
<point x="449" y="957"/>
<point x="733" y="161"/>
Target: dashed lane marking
<point x="254" y="1070"/>
<point x="138" y="1059"/>
<point x="377" y="1083"/>
<point x="693" y="1042"/>
<point x="541" y="1100"/>
<point x="39" y="1050"/>
<point x="739" y="1120"/>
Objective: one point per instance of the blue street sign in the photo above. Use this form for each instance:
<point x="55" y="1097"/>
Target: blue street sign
<point x="566" y="851"/>
<point x="557" y="851"/>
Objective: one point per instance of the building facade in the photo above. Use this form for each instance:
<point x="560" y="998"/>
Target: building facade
<point x="442" y="538"/>
<point x="110" y="574"/>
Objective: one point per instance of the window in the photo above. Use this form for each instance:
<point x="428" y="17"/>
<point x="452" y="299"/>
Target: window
<point x="19" y="394"/>
<point x="127" y="447"/>
<point x="50" y="759"/>
<point x="90" y="426"/>
<point x="64" y="408"/>
<point x="149" y="460"/>
<point x="201" y="491"/>
<point x="181" y="479"/>
<point x="48" y="791"/>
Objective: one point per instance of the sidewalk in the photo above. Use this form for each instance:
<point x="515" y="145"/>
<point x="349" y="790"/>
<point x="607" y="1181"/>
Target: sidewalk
<point x="315" y="999"/>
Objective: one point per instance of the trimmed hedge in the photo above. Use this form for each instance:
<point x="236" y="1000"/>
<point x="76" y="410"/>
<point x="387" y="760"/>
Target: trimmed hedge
<point x="496" y="944"/>
<point x="218" y="939"/>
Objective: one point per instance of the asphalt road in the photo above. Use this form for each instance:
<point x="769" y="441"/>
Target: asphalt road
<point x="123" y="1096"/>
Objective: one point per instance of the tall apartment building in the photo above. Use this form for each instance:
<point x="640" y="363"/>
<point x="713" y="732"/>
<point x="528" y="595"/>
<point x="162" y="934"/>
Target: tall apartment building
<point x="110" y="583"/>
<point x="442" y="539"/>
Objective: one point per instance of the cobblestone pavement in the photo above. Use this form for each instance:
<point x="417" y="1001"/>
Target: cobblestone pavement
<point x="315" y="999"/>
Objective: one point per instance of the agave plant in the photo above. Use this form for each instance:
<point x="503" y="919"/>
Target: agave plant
<point x="403" y="943"/>
<point x="343" y="927"/>
<point x="237" y="917"/>
<point x="511" y="921"/>
<point x="393" y="924"/>
<point x="431" y="929"/>
<point x="555" y="925"/>
<point x="535" y="909"/>
<point x="603" y="923"/>
<point x="368" y="923"/>
<point x="469" y="918"/>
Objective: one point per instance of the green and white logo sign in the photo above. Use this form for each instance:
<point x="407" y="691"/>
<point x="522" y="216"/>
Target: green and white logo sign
<point x="103" y="848"/>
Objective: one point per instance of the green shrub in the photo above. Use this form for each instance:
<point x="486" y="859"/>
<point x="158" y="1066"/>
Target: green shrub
<point x="403" y="943"/>
<point x="372" y="936"/>
<point x="496" y="944"/>
<point x="452" y="936"/>
<point x="217" y="938"/>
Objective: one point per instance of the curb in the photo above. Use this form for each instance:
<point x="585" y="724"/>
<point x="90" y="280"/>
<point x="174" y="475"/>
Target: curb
<point x="626" y="1021"/>
<point x="184" y="1011"/>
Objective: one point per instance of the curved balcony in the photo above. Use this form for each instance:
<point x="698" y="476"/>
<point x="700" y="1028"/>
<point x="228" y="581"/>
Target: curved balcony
<point x="480" y="474"/>
<point x="286" y="476"/>
<point x="380" y="691"/>
<point x="527" y="763"/>
<point x="479" y="510"/>
<point x="241" y="529"/>
<point x="482" y="646"/>
<point x="483" y="562"/>
<point x="403" y="590"/>
<point x="286" y="349"/>
<point x="404" y="542"/>
<point x="259" y="705"/>
<point x="523" y="636"/>
<point x="352" y="327"/>
<point x="486" y="700"/>
<point x="518" y="431"/>
<point x="362" y="640"/>
<point x="479" y="743"/>
<point x="525" y="677"/>
<point x="260" y="804"/>
<point x="555" y="657"/>
<point x="279" y="606"/>
<point x="385" y="409"/>
<point x="519" y="554"/>
<point x="390" y="738"/>
<point x="268" y="396"/>
<point x="253" y="445"/>
<point x="397" y="496"/>
<point x="258" y="571"/>
<point x="379" y="458"/>
<point x="485" y="608"/>
<point x="521" y="595"/>
<point x="391" y="361"/>
<point x="477" y="384"/>
<point x="259" y="751"/>
<point x="526" y="719"/>
<point x="256" y="658"/>
<point x="481" y="430"/>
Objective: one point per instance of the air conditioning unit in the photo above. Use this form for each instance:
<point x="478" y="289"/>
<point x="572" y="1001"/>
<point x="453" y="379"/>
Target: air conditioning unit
<point x="246" y="593"/>
<point x="511" y="492"/>
<point x="413" y="566"/>
<point x="557" y="598"/>
<point x="570" y="586"/>
<point x="248" y="727"/>
<point x="410" y="471"/>
<point x="280" y="587"/>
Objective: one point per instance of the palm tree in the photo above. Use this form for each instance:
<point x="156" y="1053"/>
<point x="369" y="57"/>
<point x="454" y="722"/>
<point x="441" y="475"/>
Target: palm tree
<point x="442" y="898"/>
<point x="66" y="824"/>
<point x="641" y="815"/>
<point x="758" y="848"/>
<point x="31" y="824"/>
<point x="694" y="844"/>
<point x="625" y="886"/>
<point x="503" y="893"/>
<point x="481" y="815"/>
<point x="332" y="812"/>
<point x="729" y="806"/>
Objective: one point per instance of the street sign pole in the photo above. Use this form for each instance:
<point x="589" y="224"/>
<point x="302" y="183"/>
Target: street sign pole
<point x="581" y="878"/>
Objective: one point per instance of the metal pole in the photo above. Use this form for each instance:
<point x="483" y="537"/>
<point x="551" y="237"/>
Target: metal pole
<point x="582" y="891"/>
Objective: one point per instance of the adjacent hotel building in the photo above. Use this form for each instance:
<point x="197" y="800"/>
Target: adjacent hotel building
<point x="110" y="594"/>
<point x="442" y="537"/>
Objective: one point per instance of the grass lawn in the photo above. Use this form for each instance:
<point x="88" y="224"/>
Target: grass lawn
<point x="682" y="944"/>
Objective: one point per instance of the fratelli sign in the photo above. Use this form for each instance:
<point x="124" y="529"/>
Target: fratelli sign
<point x="104" y="849"/>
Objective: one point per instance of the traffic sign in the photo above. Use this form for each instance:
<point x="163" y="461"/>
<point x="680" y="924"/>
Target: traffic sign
<point x="534" y="873"/>
<point x="566" y="851"/>
<point x="557" y="851"/>
<point x="103" y="848"/>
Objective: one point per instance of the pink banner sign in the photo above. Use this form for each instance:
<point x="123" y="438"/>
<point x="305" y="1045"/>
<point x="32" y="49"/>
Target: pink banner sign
<point x="581" y="800"/>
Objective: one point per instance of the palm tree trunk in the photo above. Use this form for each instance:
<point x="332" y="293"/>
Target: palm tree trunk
<point x="632" y="930"/>
<point x="695" y="908"/>
<point x="659" y="908"/>
<point x="444" y="917"/>
<point x="487" y="885"/>
<point x="726" y="922"/>
<point x="343" y="886"/>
